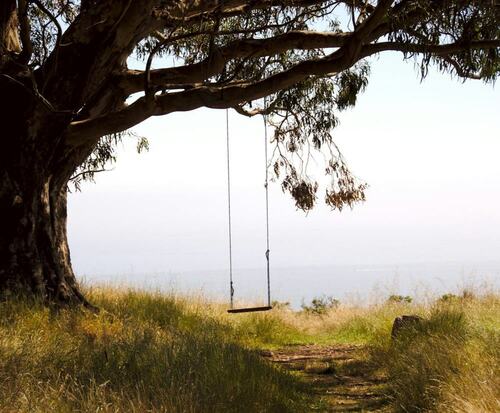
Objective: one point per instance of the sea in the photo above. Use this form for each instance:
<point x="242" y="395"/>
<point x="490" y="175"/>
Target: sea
<point x="351" y="284"/>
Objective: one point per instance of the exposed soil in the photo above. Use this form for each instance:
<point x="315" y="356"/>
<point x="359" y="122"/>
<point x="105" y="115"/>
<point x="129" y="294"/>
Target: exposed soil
<point x="341" y="376"/>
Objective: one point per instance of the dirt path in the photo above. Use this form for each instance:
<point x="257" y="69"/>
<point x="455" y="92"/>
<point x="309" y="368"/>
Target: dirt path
<point x="340" y="376"/>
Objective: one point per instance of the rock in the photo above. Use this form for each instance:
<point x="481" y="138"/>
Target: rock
<point x="403" y="322"/>
<point x="266" y="353"/>
<point x="318" y="367"/>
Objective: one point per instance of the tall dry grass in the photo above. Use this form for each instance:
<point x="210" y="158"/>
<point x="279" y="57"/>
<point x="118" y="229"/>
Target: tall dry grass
<point x="449" y="362"/>
<point x="143" y="352"/>
<point x="162" y="353"/>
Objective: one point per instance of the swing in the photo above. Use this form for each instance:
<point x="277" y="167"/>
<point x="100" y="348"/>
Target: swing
<point x="231" y="284"/>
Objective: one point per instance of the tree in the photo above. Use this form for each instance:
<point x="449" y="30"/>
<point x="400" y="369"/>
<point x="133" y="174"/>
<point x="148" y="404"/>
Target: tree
<point x="68" y="95"/>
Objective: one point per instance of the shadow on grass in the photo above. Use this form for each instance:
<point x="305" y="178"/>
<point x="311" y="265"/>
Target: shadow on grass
<point x="143" y="352"/>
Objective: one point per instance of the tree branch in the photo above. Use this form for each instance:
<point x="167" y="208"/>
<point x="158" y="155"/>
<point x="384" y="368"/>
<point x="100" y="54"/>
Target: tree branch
<point x="207" y="96"/>
<point x="53" y="19"/>
<point x="195" y="11"/>
<point x="459" y="70"/>
<point x="133" y="80"/>
<point x="24" y="26"/>
<point x="365" y="28"/>
<point x="436" y="50"/>
<point x="351" y="47"/>
<point x="233" y="95"/>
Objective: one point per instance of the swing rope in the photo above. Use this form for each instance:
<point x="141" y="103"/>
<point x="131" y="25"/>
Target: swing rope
<point x="266" y="185"/>
<point x="267" y="253"/>
<point x="230" y="232"/>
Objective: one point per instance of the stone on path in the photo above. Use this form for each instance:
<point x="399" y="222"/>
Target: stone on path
<point x="404" y="322"/>
<point x="318" y="367"/>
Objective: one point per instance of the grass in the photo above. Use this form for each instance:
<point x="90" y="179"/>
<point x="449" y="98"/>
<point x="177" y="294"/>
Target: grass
<point x="162" y="353"/>
<point x="449" y="362"/>
<point x="143" y="352"/>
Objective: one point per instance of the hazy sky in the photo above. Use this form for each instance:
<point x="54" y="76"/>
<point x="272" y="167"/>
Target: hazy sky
<point x="429" y="152"/>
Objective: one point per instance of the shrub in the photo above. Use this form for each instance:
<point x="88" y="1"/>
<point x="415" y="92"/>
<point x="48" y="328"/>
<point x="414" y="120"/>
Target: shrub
<point x="399" y="299"/>
<point x="278" y="305"/>
<point x="320" y="305"/>
<point x="448" y="298"/>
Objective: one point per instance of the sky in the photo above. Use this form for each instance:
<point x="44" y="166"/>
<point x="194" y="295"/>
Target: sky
<point x="429" y="151"/>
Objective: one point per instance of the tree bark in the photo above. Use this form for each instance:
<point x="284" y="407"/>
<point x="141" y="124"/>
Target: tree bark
<point x="34" y="252"/>
<point x="35" y="161"/>
<point x="34" y="170"/>
<point x="9" y="39"/>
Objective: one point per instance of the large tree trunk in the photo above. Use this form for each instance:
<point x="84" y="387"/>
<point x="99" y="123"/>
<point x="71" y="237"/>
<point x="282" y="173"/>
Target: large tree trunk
<point x="34" y="170"/>
<point x="35" y="166"/>
<point x="34" y="253"/>
<point x="36" y="161"/>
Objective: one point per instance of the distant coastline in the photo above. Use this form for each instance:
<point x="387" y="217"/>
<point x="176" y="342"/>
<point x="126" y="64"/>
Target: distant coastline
<point x="353" y="283"/>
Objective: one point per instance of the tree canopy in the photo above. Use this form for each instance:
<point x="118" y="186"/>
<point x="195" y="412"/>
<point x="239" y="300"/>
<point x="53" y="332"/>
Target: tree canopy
<point x="307" y="57"/>
<point x="69" y="92"/>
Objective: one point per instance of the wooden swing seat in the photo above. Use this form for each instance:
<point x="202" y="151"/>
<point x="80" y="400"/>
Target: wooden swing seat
<point x="249" y="309"/>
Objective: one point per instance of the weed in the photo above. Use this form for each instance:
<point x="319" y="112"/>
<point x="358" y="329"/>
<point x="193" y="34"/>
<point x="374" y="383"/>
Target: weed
<point x="321" y="305"/>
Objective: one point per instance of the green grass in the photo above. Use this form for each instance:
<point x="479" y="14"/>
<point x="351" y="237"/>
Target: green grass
<point x="450" y="362"/>
<point x="161" y="353"/>
<point x="143" y="352"/>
